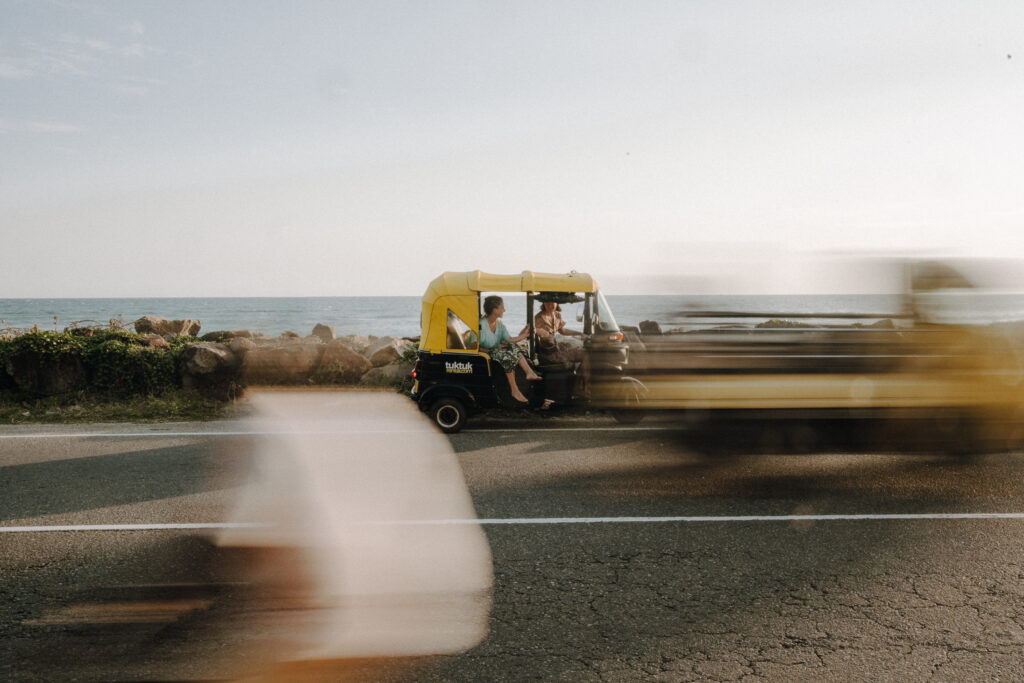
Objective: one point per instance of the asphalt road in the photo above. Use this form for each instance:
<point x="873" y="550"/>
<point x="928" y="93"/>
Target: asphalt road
<point x="647" y="553"/>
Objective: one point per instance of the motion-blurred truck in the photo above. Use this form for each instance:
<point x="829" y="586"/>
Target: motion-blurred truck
<point x="915" y="377"/>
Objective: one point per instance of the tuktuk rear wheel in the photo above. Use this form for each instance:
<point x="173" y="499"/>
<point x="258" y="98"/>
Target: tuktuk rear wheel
<point x="449" y="414"/>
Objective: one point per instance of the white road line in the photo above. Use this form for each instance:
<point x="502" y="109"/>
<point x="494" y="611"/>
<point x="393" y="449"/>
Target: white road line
<point x="146" y="435"/>
<point x="547" y="520"/>
<point x="127" y="527"/>
<point x="740" y="518"/>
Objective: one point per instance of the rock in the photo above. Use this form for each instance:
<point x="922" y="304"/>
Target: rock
<point x="282" y="363"/>
<point x="208" y="358"/>
<point x="387" y="374"/>
<point x="58" y="376"/>
<point x="324" y="332"/>
<point x="226" y="335"/>
<point x="288" y="334"/>
<point x="212" y="369"/>
<point x="356" y="342"/>
<point x="340" y="364"/>
<point x="885" y="324"/>
<point x="386" y="350"/>
<point x="241" y="345"/>
<point x="153" y="324"/>
<point x="154" y="341"/>
<point x="776" y="323"/>
<point x="650" y="327"/>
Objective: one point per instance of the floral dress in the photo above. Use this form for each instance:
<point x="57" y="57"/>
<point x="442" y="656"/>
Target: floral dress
<point x="490" y="342"/>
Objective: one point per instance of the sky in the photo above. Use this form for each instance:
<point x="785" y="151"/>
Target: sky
<point x="180" y="148"/>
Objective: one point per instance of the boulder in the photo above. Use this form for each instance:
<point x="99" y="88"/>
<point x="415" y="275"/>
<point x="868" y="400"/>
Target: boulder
<point x="153" y="324"/>
<point x="386" y="375"/>
<point x="212" y="369"/>
<point x="282" y="363"/>
<point x="241" y="345"/>
<point x="288" y="334"/>
<point x="209" y="358"/>
<point x="356" y="342"/>
<point x="340" y="364"/>
<point x="325" y="333"/>
<point x="226" y="335"/>
<point x="386" y="350"/>
<point x="650" y="327"/>
<point x="154" y="341"/>
<point x="778" y="324"/>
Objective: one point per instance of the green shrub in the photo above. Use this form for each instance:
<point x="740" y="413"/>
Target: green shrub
<point x="116" y="362"/>
<point x="119" y="368"/>
<point x="410" y="356"/>
<point x="43" y="346"/>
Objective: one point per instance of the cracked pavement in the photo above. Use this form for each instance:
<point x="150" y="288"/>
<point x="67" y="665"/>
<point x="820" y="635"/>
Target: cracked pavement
<point x="880" y="599"/>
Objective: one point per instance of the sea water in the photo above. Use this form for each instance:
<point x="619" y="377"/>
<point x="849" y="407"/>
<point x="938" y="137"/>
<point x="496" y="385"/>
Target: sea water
<point x="400" y="315"/>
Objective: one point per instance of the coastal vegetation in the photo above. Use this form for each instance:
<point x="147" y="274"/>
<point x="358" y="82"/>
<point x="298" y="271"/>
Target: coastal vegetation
<point x="88" y="374"/>
<point x="112" y="373"/>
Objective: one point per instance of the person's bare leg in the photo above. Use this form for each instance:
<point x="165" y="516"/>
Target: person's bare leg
<point x="530" y="374"/>
<point x="514" y="388"/>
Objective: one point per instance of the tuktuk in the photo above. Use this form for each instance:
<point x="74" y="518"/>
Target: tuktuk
<point x="454" y="378"/>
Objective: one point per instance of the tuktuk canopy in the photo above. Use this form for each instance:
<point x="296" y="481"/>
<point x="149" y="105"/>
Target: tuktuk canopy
<point x="460" y="294"/>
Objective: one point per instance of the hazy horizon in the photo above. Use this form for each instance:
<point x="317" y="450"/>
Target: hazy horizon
<point x="354" y="149"/>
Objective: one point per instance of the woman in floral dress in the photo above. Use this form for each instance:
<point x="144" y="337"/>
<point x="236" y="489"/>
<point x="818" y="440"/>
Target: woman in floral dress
<point x="496" y="341"/>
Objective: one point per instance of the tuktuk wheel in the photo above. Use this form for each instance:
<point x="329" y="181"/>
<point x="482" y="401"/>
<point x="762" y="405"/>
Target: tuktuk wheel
<point x="449" y="414"/>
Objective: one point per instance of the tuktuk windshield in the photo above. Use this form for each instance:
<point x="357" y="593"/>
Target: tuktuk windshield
<point x="604" y="321"/>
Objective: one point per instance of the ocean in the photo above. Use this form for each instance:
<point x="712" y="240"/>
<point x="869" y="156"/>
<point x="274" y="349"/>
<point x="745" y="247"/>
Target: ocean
<point x="400" y="315"/>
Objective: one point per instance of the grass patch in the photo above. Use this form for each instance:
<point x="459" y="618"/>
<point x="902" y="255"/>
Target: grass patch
<point x="178" y="406"/>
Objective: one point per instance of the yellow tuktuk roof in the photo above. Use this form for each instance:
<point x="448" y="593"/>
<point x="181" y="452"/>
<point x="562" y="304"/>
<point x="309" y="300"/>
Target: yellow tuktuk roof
<point x="475" y="281"/>
<point x="458" y="293"/>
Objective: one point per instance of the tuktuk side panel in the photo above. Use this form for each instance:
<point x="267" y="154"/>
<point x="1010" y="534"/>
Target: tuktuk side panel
<point x="438" y="335"/>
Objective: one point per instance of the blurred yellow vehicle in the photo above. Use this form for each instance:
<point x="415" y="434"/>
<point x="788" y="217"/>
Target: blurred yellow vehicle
<point x="962" y="382"/>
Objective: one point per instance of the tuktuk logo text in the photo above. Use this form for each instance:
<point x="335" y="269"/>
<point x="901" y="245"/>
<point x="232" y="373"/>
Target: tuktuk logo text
<point x="457" y="368"/>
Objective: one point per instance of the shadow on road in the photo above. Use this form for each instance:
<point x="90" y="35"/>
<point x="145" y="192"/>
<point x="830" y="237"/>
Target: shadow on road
<point x="539" y="441"/>
<point x="85" y="483"/>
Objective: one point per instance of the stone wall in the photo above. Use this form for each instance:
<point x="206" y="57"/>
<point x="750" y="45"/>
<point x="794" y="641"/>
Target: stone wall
<point x="318" y="358"/>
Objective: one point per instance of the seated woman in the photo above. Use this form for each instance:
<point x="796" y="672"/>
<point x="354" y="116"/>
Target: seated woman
<point x="496" y="341"/>
<point x="546" y="324"/>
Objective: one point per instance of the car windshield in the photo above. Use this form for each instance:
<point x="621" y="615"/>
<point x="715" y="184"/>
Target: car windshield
<point x="605" y="321"/>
